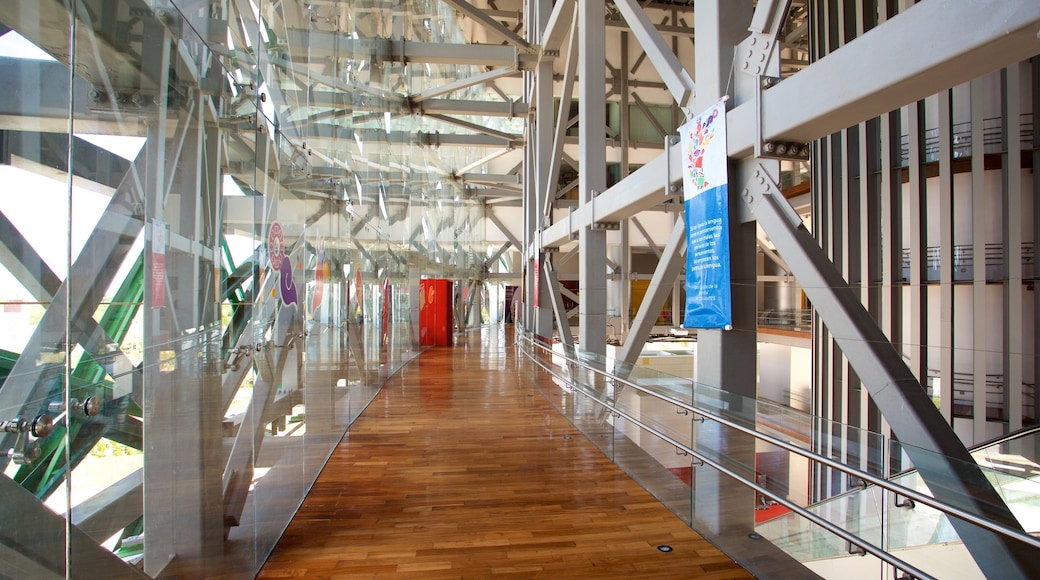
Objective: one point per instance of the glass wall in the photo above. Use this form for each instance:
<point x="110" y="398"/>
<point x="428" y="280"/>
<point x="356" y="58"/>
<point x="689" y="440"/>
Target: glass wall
<point x="214" y="217"/>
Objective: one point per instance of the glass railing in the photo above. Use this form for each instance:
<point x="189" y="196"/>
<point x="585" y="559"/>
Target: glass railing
<point x="703" y="453"/>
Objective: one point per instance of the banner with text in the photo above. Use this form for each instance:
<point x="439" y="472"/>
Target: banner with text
<point x="706" y="197"/>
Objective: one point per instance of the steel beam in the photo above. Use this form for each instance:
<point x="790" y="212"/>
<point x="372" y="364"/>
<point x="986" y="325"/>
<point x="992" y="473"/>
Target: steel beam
<point x="492" y="26"/>
<point x="112" y="509"/>
<point x="508" y="138"/>
<point x="669" y="266"/>
<point x="646" y="236"/>
<point x="563" y="326"/>
<point x="837" y="91"/>
<point x="942" y="461"/>
<point x="913" y="58"/>
<point x="559" y="23"/>
<point x="592" y="243"/>
<point x="462" y="83"/>
<point x="672" y="72"/>
<point x="569" y="72"/>
<point x="505" y="230"/>
<point x="35" y="542"/>
<point x="322" y="45"/>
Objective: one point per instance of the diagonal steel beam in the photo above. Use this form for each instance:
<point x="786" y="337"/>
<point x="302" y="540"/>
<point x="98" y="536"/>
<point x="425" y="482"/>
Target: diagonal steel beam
<point x="493" y="27"/>
<point x="935" y="450"/>
<point x="769" y="253"/>
<point x="667" y="271"/>
<point x="559" y="24"/>
<point x="509" y="138"/>
<point x="91" y="274"/>
<point x="497" y="254"/>
<point x="505" y="230"/>
<point x="672" y="72"/>
<point x="563" y="325"/>
<point x="112" y="509"/>
<point x="484" y="160"/>
<point x="569" y="73"/>
<point x="462" y="83"/>
<point x="646" y="236"/>
<point x="36" y="541"/>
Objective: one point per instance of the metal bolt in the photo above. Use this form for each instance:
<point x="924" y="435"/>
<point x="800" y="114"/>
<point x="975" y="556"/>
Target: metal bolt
<point x="673" y="188"/>
<point x="98" y="96"/>
<point x="140" y="100"/>
<point x="782" y="149"/>
<point x="91" y="406"/>
<point x="769" y="147"/>
<point x="42" y="426"/>
<point x="16" y="425"/>
<point x="31" y="454"/>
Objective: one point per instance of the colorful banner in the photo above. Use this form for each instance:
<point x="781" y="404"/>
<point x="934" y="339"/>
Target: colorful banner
<point x="706" y="197"/>
<point x="281" y="263"/>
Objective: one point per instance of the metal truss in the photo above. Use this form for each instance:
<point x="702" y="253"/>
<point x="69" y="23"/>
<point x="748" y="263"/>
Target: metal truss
<point x="786" y="115"/>
<point x="314" y="163"/>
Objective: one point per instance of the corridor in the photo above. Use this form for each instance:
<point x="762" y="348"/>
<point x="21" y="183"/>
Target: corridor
<point x="461" y="469"/>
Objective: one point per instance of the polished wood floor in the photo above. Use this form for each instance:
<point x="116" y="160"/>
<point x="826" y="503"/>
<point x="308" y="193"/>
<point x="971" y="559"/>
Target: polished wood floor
<point x="461" y="469"/>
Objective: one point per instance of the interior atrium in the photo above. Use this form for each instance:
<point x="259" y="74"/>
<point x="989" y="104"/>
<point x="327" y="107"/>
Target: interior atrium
<point x="224" y="224"/>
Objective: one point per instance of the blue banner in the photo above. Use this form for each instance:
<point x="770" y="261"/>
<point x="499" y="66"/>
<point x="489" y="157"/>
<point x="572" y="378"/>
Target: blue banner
<point x="706" y="197"/>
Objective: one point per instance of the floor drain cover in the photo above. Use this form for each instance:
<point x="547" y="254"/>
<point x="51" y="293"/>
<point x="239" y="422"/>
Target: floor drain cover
<point x="664" y="548"/>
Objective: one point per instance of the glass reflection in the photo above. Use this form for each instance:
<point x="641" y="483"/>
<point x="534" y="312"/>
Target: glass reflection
<point x="233" y="206"/>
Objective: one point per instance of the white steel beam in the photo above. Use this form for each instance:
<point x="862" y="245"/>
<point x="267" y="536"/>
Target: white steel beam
<point x="646" y="236"/>
<point x="462" y="83"/>
<point x="492" y="26"/>
<point x="559" y="23"/>
<point x="569" y="72"/>
<point x="592" y="243"/>
<point x="679" y="82"/>
<point x="935" y="450"/>
<point x="769" y="15"/>
<point x="508" y="137"/>
<point x="932" y="46"/>
<point x="563" y="326"/>
<point x="323" y="45"/>
<point x="505" y="230"/>
<point x="914" y="58"/>
<point x="464" y="107"/>
<point x="664" y="29"/>
<point x="671" y="263"/>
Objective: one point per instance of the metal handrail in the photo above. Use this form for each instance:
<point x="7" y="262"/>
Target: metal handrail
<point x="823" y="523"/>
<point x="865" y="476"/>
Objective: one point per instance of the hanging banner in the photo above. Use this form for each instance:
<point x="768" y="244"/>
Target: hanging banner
<point x="706" y="198"/>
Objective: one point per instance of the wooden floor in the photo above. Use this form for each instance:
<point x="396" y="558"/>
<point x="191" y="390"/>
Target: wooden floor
<point x="461" y="469"/>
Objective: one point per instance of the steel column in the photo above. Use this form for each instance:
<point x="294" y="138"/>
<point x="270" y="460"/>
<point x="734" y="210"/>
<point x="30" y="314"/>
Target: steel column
<point x="592" y="243"/>
<point x="1013" y="287"/>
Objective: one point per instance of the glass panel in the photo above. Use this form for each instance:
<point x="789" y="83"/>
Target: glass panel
<point x="39" y="247"/>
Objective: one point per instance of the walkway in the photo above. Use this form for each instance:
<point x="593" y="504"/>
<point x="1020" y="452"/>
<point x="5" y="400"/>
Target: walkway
<point x="461" y="469"/>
